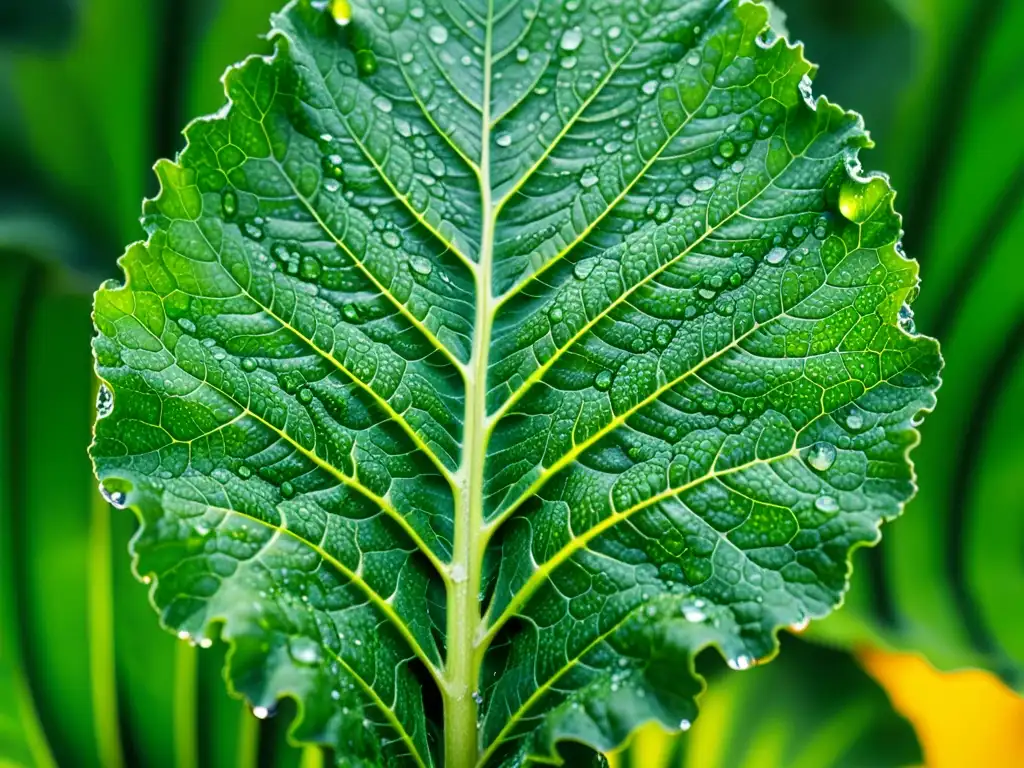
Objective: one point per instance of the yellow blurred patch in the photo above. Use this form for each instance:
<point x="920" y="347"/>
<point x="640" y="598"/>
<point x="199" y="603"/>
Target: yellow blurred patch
<point x="963" y="719"/>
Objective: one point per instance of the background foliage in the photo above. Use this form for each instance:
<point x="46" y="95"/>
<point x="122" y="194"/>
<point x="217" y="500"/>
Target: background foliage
<point x="91" y="93"/>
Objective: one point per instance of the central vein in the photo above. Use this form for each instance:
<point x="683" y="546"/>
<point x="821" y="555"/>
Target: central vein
<point x="462" y="667"/>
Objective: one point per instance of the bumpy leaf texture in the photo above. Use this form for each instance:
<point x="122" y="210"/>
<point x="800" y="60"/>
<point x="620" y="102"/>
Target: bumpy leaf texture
<point x="494" y="358"/>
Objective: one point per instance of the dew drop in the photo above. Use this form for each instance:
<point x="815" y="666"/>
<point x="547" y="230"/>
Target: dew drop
<point x="287" y="489"/>
<point x="855" y="420"/>
<point x="116" y="499"/>
<point x="687" y="198"/>
<point x="603" y="380"/>
<point x="650" y="87"/>
<point x="229" y="203"/>
<point x="260" y="713"/>
<point x="478" y="697"/>
<point x="684" y="725"/>
<point x="366" y="61"/>
<point x="555" y="315"/>
<point x="104" y="402"/>
<point x="341" y="12"/>
<point x="438" y="34"/>
<point x="800" y="624"/>
<point x="244" y="472"/>
<point x="504" y="140"/>
<point x="740" y="662"/>
<point x="584" y="268"/>
<point x="522" y="55"/>
<point x="693" y="613"/>
<point x="304" y="650"/>
<point x="421" y="266"/>
<point x="826" y="504"/>
<point x="383" y="104"/>
<point x="305" y="396"/>
<point x="571" y="39"/>
<point x="776" y="255"/>
<point x="588" y="179"/>
<point x="821" y="456"/>
<point x="704" y="183"/>
<point x="458" y="573"/>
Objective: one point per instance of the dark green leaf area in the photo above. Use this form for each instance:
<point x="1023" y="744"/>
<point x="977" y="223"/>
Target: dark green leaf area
<point x="580" y="311"/>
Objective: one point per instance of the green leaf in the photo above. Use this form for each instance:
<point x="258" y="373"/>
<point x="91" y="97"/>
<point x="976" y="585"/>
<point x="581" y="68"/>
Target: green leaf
<point x="505" y="357"/>
<point x="825" y="712"/>
<point x="962" y="536"/>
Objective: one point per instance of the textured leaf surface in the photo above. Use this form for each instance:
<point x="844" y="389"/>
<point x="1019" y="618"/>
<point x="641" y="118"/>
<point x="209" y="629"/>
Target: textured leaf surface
<point x="510" y="352"/>
<point x="964" y="533"/>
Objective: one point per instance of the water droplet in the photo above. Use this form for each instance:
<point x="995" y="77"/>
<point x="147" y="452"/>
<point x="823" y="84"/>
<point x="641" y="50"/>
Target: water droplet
<point x="727" y="149"/>
<point x="458" y="573"/>
<point x="438" y="34"/>
<point x="588" y="179"/>
<point x="383" y="104"/>
<point x="104" y="402"/>
<point x="584" y="268"/>
<point x="555" y="315"/>
<point x="776" y="255"/>
<point x="341" y="12"/>
<point x="205" y="642"/>
<point x="504" y="140"/>
<point x="741" y="662"/>
<point x="704" y="183"/>
<point x="687" y="198"/>
<point x="800" y="624"/>
<point x="855" y="420"/>
<point x="821" y="456"/>
<point x="614" y="33"/>
<point x="906" y="319"/>
<point x="287" y="489"/>
<point x="229" y="203"/>
<point x="568" y="62"/>
<point x="684" y="725"/>
<point x="603" y="380"/>
<point x="522" y="55"/>
<point x="116" y="499"/>
<point x="650" y="87"/>
<point x="183" y="634"/>
<point x="693" y="613"/>
<point x="244" y="472"/>
<point x="421" y="266"/>
<point x="305" y="395"/>
<point x="858" y="200"/>
<point x="478" y="697"/>
<point x="571" y="39"/>
<point x="305" y="650"/>
<point x="366" y="61"/>
<point x="826" y="504"/>
<point x="260" y="713"/>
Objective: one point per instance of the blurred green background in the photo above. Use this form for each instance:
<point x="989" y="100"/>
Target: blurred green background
<point x="92" y="92"/>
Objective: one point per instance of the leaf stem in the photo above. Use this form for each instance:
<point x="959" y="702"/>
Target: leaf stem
<point x="462" y="668"/>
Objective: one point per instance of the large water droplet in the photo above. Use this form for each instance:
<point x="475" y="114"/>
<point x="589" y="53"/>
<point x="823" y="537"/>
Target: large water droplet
<point x="855" y="419"/>
<point x="116" y="499"/>
<point x="684" y="725"/>
<point x="438" y="34"/>
<point x="421" y="266"/>
<point x="858" y="200"/>
<point x="776" y="255"/>
<point x="341" y="12"/>
<point x="821" y="456"/>
<point x="588" y="179"/>
<point x="571" y="39"/>
<point x="603" y="380"/>
<point x="305" y="651"/>
<point x="504" y="140"/>
<point x="704" y="183"/>
<point x="741" y="662"/>
<point x="826" y="504"/>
